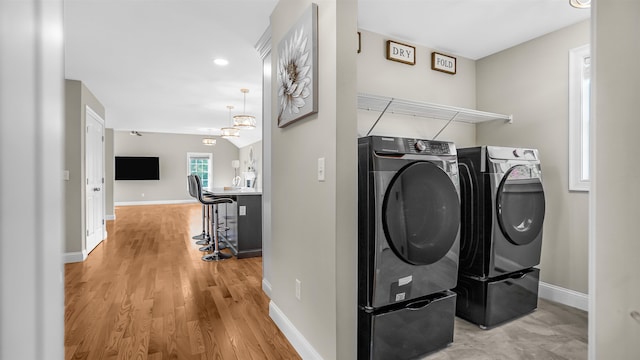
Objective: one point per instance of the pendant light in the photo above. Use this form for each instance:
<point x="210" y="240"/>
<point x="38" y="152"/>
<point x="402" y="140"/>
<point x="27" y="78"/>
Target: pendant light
<point x="229" y="132"/>
<point x="580" y="4"/>
<point x="244" y="121"/>
<point x="208" y="141"/>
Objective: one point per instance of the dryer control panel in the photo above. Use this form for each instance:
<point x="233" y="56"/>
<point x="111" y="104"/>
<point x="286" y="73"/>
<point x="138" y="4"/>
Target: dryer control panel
<point x="412" y="146"/>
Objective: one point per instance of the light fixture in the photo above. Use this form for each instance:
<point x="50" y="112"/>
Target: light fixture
<point x="244" y="121"/>
<point x="208" y="141"/>
<point x="580" y="4"/>
<point x="229" y="132"/>
<point x="221" y="62"/>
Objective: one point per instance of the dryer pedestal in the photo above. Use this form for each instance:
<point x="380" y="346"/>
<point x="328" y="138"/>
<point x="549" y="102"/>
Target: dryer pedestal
<point x="490" y="302"/>
<point x="413" y="329"/>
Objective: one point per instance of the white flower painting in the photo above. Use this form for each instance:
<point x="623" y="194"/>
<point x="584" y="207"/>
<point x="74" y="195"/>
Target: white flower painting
<point x="297" y="70"/>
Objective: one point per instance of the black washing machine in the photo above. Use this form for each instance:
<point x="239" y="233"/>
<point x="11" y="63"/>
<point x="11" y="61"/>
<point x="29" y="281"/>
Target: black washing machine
<point x="408" y="244"/>
<point x="503" y="207"/>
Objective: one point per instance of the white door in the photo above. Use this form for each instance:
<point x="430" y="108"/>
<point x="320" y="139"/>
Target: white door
<point x="94" y="165"/>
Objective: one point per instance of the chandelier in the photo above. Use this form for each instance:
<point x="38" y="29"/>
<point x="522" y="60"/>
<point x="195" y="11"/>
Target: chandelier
<point x="244" y="121"/>
<point x="208" y="141"/>
<point x="229" y="132"/>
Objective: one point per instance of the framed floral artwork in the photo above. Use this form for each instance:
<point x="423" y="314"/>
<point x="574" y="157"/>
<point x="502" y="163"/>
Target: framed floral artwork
<point x="297" y="71"/>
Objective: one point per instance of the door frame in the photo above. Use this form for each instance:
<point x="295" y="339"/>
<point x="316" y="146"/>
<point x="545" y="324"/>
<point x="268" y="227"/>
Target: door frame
<point x="90" y="112"/>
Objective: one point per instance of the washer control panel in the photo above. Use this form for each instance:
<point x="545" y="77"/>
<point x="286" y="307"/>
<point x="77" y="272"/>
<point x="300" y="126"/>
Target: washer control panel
<point x="418" y="146"/>
<point x="385" y="144"/>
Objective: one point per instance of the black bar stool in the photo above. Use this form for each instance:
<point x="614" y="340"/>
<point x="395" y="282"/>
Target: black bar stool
<point x="203" y="238"/>
<point x="212" y="203"/>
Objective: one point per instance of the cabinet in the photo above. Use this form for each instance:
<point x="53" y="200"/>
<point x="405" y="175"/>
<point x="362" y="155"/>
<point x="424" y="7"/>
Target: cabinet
<point x="240" y="224"/>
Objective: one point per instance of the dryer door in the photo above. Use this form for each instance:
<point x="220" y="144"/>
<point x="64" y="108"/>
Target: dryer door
<point x="520" y="204"/>
<point x="421" y="213"/>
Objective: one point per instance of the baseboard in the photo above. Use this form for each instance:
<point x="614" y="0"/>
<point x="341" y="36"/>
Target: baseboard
<point x="110" y="217"/>
<point x="266" y="287"/>
<point x="297" y="340"/>
<point x="564" y="296"/>
<point x="74" y="257"/>
<point x="154" y="202"/>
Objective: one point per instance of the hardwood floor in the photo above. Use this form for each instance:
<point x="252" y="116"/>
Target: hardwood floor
<point x="144" y="293"/>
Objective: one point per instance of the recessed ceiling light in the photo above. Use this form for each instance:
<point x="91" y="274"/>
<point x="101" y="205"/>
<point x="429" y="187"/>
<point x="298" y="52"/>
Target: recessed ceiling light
<point x="221" y="62"/>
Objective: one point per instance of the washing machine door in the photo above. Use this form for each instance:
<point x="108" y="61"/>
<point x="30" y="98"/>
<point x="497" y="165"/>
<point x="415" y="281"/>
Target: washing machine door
<point x="520" y="204"/>
<point x="421" y="213"/>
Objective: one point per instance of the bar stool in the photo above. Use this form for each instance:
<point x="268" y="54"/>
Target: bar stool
<point x="212" y="203"/>
<point x="203" y="238"/>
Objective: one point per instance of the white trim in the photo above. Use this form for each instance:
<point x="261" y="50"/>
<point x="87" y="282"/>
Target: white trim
<point x="154" y="202"/>
<point x="74" y="257"/>
<point x="266" y="287"/>
<point x="576" y="60"/>
<point x="563" y="296"/>
<point x="593" y="120"/>
<point x="110" y="217"/>
<point x="297" y="340"/>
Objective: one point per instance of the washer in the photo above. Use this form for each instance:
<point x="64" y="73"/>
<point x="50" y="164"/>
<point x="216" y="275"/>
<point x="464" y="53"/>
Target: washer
<point x="503" y="208"/>
<point x="408" y="222"/>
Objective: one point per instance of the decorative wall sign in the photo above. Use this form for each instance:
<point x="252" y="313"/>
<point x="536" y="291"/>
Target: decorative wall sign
<point x="401" y="52"/>
<point x="298" y="69"/>
<point x="444" y="63"/>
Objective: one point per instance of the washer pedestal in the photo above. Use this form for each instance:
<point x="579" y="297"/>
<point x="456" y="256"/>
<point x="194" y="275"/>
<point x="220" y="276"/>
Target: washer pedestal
<point x="490" y="302"/>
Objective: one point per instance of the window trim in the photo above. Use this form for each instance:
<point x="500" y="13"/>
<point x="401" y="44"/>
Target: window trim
<point x="191" y="155"/>
<point x="576" y="59"/>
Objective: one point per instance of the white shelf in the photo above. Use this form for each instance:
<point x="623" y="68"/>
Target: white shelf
<point x="391" y="105"/>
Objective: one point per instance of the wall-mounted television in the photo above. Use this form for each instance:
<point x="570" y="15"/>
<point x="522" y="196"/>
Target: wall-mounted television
<point x="137" y="168"/>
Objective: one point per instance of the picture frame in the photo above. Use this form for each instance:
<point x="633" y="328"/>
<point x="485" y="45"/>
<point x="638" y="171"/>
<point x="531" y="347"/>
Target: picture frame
<point x="444" y="63"/>
<point x="400" y="52"/>
<point x="297" y="69"/>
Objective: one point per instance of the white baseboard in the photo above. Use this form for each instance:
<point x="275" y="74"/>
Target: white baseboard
<point x="564" y="296"/>
<point x="297" y="340"/>
<point x="154" y="202"/>
<point x="74" y="257"/>
<point x="110" y="217"/>
<point x="266" y="287"/>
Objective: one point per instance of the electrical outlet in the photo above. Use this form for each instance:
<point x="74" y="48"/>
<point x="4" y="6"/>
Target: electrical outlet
<point x="298" y="289"/>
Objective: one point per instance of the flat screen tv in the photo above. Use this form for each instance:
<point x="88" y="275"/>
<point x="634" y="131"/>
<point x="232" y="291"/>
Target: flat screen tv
<point x="137" y="168"/>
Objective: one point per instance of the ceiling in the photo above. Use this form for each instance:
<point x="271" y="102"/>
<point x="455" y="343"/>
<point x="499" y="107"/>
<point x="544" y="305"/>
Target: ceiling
<point x="150" y="63"/>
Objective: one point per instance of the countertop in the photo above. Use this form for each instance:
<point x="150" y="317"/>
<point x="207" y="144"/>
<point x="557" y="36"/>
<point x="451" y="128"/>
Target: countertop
<point x="235" y="192"/>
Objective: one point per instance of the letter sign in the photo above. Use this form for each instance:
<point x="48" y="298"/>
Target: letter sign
<point x="444" y="63"/>
<point x="401" y="52"/>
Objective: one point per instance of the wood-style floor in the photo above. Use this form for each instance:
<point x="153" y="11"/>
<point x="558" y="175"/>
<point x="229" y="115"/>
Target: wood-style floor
<point x="144" y="293"/>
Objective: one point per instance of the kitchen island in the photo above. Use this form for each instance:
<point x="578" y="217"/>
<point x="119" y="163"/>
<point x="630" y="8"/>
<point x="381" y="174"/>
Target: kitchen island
<point x="240" y="222"/>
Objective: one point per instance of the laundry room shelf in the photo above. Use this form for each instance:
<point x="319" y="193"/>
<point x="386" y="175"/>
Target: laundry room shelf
<point x="383" y="105"/>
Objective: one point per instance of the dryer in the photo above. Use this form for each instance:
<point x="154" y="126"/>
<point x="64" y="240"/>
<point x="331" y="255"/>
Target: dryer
<point x="408" y="245"/>
<point x="503" y="208"/>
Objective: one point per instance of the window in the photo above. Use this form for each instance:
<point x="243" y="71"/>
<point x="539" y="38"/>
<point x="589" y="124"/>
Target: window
<point x="579" y="102"/>
<point x="201" y="164"/>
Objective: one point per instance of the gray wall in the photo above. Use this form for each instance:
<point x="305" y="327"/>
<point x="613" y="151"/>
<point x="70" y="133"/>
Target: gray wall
<point x="172" y="150"/>
<point x="77" y="97"/>
<point x="530" y="81"/>
<point x="614" y="334"/>
<point x="379" y="76"/>
<point x="108" y="174"/>
<point x="314" y="224"/>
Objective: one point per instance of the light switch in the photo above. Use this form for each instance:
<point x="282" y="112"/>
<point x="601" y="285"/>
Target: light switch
<point x="242" y="210"/>
<point x="321" y="169"/>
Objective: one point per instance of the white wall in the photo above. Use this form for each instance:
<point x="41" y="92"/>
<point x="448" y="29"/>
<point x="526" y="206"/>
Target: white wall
<point x="257" y="157"/>
<point x="31" y="190"/>
<point x="530" y="81"/>
<point x="314" y="234"/>
<point x="379" y="76"/>
<point x="172" y="150"/>
<point x="614" y="333"/>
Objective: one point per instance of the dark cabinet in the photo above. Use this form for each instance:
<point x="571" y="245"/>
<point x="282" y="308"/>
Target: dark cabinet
<point x="240" y="224"/>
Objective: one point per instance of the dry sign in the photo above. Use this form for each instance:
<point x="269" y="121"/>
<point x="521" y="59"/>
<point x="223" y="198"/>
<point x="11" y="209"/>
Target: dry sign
<point x="401" y="52"/>
<point x="444" y="63"/>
